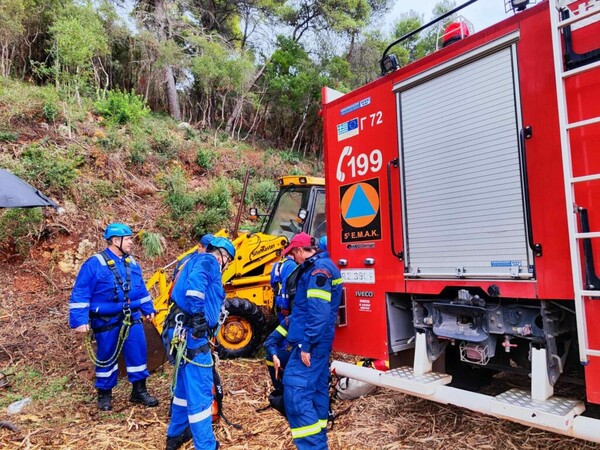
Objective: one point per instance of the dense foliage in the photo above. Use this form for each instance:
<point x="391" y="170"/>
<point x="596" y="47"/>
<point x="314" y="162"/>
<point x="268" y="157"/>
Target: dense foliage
<point x="253" y="68"/>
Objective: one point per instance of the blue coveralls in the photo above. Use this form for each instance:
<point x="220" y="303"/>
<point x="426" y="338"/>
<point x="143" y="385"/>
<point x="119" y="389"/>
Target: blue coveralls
<point x="97" y="295"/>
<point x="312" y="325"/>
<point x="198" y="290"/>
<point x="279" y="275"/>
<point x="277" y="344"/>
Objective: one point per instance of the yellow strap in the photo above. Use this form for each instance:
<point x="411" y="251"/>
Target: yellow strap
<point x="337" y="281"/>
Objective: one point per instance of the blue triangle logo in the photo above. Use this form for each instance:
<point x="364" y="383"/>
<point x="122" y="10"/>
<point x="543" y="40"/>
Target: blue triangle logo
<point x="360" y="206"/>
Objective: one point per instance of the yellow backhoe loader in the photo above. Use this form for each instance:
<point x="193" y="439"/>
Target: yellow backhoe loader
<point x="299" y="206"/>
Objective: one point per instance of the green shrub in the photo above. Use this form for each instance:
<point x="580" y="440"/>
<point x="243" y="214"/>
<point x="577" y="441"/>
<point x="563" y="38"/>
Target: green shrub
<point x="152" y="243"/>
<point x="50" y="169"/>
<point x="217" y="196"/>
<point x="164" y="143"/>
<point x="50" y="111"/>
<point x="122" y="107"/>
<point x="261" y="194"/>
<point x="139" y="152"/>
<point x="19" y="228"/>
<point x="206" y="158"/>
<point x="169" y="227"/>
<point x="210" y="220"/>
<point x="178" y="198"/>
<point x="8" y="136"/>
<point x="235" y="186"/>
<point x="290" y="157"/>
<point x="106" y="189"/>
<point x="112" y="141"/>
<point x="240" y="172"/>
<point x="189" y="134"/>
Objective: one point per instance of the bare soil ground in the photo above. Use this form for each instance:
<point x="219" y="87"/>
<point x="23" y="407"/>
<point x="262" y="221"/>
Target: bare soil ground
<point x="50" y="365"/>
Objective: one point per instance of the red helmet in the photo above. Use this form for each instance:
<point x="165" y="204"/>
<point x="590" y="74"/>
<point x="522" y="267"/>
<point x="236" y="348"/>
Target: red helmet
<point x="455" y="32"/>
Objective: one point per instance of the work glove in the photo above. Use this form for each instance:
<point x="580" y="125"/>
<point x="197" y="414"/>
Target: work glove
<point x="199" y="326"/>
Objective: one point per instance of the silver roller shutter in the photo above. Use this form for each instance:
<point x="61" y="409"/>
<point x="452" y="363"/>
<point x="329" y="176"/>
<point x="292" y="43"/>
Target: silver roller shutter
<point x="464" y="212"/>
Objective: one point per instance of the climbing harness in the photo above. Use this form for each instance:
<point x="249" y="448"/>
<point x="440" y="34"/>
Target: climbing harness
<point x="181" y="353"/>
<point x="124" y="285"/>
<point x="126" y="313"/>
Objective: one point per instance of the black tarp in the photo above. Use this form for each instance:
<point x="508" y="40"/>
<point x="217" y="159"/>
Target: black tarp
<point x="16" y="193"/>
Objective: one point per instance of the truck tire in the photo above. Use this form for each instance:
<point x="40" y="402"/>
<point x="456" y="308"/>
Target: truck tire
<point x="241" y="334"/>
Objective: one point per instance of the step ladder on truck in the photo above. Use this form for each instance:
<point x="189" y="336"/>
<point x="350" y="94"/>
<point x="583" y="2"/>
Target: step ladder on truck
<point x="421" y="311"/>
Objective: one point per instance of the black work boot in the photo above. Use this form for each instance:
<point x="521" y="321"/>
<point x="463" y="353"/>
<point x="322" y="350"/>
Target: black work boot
<point x="104" y="399"/>
<point x="175" y="442"/>
<point x="139" y="394"/>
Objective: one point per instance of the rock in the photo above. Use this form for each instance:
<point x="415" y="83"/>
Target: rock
<point x="64" y="131"/>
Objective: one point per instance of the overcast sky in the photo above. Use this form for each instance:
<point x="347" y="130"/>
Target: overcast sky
<point x="481" y="14"/>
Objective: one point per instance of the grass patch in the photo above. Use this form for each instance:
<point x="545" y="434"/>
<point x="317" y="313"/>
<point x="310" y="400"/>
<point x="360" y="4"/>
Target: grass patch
<point x="29" y="382"/>
<point x="8" y="136"/>
<point x="152" y="243"/>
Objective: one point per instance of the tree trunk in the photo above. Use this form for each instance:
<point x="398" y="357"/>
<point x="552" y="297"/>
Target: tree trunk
<point x="164" y="34"/>
<point x="239" y="103"/>
<point x="172" y="95"/>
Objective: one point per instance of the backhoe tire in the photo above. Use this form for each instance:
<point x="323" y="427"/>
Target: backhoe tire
<point x="242" y="333"/>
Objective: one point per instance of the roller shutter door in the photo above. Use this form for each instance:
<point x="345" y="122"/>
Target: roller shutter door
<point x="464" y="213"/>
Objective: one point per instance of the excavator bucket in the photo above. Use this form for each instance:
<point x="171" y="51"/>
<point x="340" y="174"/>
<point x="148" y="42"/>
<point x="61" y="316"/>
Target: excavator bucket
<point x="156" y="351"/>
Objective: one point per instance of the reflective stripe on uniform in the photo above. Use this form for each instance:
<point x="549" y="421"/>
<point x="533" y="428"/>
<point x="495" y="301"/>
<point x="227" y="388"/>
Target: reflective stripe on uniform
<point x="197" y="294"/>
<point x="198" y="417"/>
<point x="147" y="298"/>
<point x="319" y="293"/>
<point x="323" y="423"/>
<point x="109" y="373"/>
<point x="308" y="430"/>
<point x="282" y="331"/>
<point x="133" y="369"/>
<point x="337" y="281"/>
<point x="270" y="363"/>
<point x="100" y="258"/>
<point x="179" y="401"/>
<point x="78" y="305"/>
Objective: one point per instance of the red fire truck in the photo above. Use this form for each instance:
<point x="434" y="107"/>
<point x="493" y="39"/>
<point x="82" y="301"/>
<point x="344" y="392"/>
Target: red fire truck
<point x="463" y="195"/>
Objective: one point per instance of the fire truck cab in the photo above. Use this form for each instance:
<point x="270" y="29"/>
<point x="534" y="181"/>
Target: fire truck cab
<point x="463" y="196"/>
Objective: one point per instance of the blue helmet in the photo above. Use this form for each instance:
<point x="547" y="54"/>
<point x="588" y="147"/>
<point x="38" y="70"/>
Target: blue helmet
<point x="118" y="230"/>
<point x="225" y="244"/>
<point x="206" y="239"/>
<point x="323" y="243"/>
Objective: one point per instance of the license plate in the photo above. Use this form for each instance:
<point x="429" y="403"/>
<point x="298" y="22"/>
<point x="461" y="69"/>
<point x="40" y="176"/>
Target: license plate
<point x="358" y="276"/>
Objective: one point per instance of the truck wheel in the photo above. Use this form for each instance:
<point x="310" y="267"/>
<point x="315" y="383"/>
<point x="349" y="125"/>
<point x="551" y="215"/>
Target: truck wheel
<point x="241" y="334"/>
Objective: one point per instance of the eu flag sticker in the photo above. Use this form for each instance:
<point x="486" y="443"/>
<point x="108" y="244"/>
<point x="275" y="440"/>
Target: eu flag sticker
<point x="348" y="129"/>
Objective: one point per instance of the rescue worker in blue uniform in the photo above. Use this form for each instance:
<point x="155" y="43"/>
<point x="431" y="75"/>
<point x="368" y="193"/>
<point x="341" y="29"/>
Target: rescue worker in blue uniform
<point x="198" y="297"/>
<point x="109" y="293"/>
<point x="279" y="275"/>
<point x="277" y="348"/>
<point x="312" y="325"/>
<point x="277" y="355"/>
<point x="202" y="246"/>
